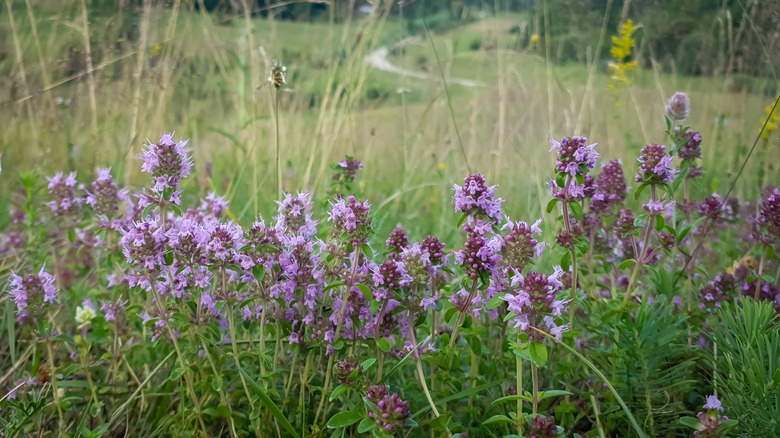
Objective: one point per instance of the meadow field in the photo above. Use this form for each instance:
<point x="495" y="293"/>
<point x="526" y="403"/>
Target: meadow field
<point x="227" y="223"/>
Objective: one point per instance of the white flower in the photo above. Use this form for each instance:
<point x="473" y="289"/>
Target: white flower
<point x="84" y="315"/>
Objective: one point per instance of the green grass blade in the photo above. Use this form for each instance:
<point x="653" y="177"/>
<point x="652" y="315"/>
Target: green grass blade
<point x="459" y="395"/>
<point x="590" y="365"/>
<point x="264" y="399"/>
<point x="124" y="406"/>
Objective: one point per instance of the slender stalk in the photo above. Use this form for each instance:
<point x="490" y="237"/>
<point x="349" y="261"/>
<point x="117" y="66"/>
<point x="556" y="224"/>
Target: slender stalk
<point x="597" y="413"/>
<point x="462" y="314"/>
<point x="232" y="328"/>
<point x="137" y="73"/>
<point x="344" y="298"/>
<point x="90" y="73"/>
<point x="519" y="380"/>
<point x="760" y="272"/>
<point x="279" y="188"/>
<point x="535" y="386"/>
<point x="641" y="258"/>
<point x="420" y="373"/>
<point x="55" y="390"/>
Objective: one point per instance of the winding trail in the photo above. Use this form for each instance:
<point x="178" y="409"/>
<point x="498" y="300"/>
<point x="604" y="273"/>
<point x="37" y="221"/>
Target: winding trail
<point x="378" y="60"/>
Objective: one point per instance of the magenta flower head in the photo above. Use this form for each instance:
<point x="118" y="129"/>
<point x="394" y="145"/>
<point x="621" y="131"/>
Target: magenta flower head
<point x="533" y="303"/>
<point x="167" y="161"/>
<point x="711" y="423"/>
<point x="690" y="149"/>
<point x="769" y="217"/>
<point x="63" y="192"/>
<point x="477" y="198"/>
<point x="398" y="239"/>
<point x="519" y="246"/>
<point x="478" y="257"/>
<point x="389" y="278"/>
<point x="575" y="156"/>
<point x="103" y="198"/>
<point x="610" y="187"/>
<point x="295" y="215"/>
<point x="656" y="165"/>
<point x="435" y="249"/>
<point x="678" y="107"/>
<point x="390" y="411"/>
<point x="542" y="427"/>
<point x="347" y="169"/>
<point x="351" y="220"/>
<point x="31" y="293"/>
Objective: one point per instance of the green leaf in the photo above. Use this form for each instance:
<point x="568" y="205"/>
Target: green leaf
<point x="553" y="393"/>
<point x="566" y="261"/>
<point x="475" y="344"/>
<point x="332" y="285"/>
<point x="462" y="219"/>
<point x="365" y="290"/>
<point x="626" y="263"/>
<point x="366" y="425"/>
<point x="690" y="422"/>
<point x="344" y="419"/>
<point x="384" y="345"/>
<point x="538" y="353"/>
<point x="497" y="419"/>
<point x="576" y="210"/>
<point x="337" y="391"/>
<point x="216" y="383"/>
<point x="509" y="398"/>
<point x="659" y="222"/>
<point x="367" y="251"/>
<point x="146" y="211"/>
<point x="551" y="205"/>
<point x="368" y="363"/>
<point x="639" y="190"/>
<point x="560" y="179"/>
<point x="176" y="374"/>
<point x="495" y="302"/>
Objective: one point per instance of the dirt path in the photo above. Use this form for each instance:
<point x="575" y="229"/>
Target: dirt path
<point x="378" y="60"/>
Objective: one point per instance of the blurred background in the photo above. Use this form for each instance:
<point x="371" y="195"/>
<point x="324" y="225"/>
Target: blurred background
<point x="422" y="92"/>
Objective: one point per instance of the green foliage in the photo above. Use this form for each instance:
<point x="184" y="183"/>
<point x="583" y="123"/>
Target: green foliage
<point x="747" y="365"/>
<point x="649" y="362"/>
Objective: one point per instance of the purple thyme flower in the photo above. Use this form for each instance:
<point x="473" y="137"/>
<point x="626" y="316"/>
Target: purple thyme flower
<point x="63" y="191"/>
<point x="542" y="427"/>
<point x="769" y="217"/>
<point x="167" y="161"/>
<point x="113" y="310"/>
<point x="678" y="107"/>
<point x="417" y="263"/>
<point x="610" y="187"/>
<point x="348" y="168"/>
<point x="32" y="292"/>
<point x="143" y="244"/>
<point x="389" y="278"/>
<point x="295" y="215"/>
<point x="351" y="219"/>
<point x="690" y="149"/>
<point x="533" y="302"/>
<point x="656" y="165"/>
<point x="477" y="198"/>
<point x="575" y="156"/>
<point x="519" y="246"/>
<point x="657" y="207"/>
<point x="398" y="239"/>
<point x="477" y="257"/>
<point x="713" y="403"/>
<point x="213" y="205"/>
<point x="104" y="195"/>
<point x="435" y="249"/>
<point x="390" y="412"/>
